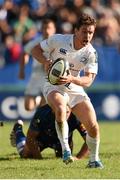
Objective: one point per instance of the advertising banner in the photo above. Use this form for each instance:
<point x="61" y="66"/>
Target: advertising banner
<point x="12" y="106"/>
<point x="106" y="104"/>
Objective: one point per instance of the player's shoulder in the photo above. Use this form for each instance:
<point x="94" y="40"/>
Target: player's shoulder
<point x="28" y="46"/>
<point x="90" y="48"/>
<point x="92" y="55"/>
<point x="61" y="37"/>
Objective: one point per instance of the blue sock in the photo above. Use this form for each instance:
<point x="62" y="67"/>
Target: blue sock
<point x="20" y="140"/>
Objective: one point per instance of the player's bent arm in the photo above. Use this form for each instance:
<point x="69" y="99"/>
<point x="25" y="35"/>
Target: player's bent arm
<point x="83" y="152"/>
<point x="85" y="80"/>
<point x="37" y="53"/>
<point x="21" y="73"/>
<point x="24" y="58"/>
<point x="32" y="149"/>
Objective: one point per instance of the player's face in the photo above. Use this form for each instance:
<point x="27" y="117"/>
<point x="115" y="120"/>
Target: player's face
<point x="49" y="29"/>
<point x="85" y="34"/>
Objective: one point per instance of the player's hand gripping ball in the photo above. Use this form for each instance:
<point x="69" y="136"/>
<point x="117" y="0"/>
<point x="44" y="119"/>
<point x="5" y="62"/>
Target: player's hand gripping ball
<point x="60" y="67"/>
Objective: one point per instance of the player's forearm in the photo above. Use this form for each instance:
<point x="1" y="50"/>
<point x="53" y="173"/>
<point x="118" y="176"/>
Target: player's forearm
<point x="21" y="72"/>
<point x="37" y="53"/>
<point x="36" y="151"/>
<point x="83" y="151"/>
<point x="31" y="151"/>
<point x="32" y="148"/>
<point x="84" y="81"/>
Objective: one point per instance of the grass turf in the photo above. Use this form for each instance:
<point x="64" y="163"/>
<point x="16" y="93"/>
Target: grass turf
<point x="12" y="167"/>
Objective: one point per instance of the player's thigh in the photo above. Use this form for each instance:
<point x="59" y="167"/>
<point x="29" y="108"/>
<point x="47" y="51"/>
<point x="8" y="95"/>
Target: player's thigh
<point x="86" y="114"/>
<point x="34" y="87"/>
<point x="55" y="97"/>
<point x="56" y="100"/>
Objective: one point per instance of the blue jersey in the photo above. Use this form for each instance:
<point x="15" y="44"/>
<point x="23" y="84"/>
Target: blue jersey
<point x="44" y="123"/>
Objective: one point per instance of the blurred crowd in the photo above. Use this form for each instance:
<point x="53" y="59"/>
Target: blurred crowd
<point x="21" y="20"/>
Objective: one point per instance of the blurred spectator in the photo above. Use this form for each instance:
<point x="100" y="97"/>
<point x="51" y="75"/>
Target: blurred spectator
<point x="67" y="14"/>
<point x="108" y="32"/>
<point x="23" y="25"/>
<point x="97" y="7"/>
<point x="66" y="28"/>
<point x="83" y="6"/>
<point x="89" y="10"/>
<point x="12" y="50"/>
<point x="33" y="5"/>
<point x="12" y="11"/>
<point x="112" y="33"/>
<point x="63" y="13"/>
<point x="5" y="28"/>
<point x="42" y="9"/>
<point x="24" y="18"/>
<point x="115" y="6"/>
<point x="78" y="4"/>
<point x="72" y="16"/>
<point x="54" y="5"/>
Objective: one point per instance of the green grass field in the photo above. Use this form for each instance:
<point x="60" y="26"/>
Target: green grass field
<point x="12" y="167"/>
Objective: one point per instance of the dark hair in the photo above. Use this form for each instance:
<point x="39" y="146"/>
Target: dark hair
<point x="85" y="19"/>
<point x="46" y="21"/>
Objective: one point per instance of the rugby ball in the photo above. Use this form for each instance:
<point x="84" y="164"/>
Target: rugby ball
<point x="60" y="67"/>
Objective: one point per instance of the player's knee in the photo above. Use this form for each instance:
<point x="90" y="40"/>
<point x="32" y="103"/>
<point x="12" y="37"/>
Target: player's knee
<point x="29" y="107"/>
<point x="29" y="104"/>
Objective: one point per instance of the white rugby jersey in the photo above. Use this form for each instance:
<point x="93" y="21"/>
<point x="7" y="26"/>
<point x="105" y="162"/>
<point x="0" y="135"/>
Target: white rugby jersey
<point x="36" y="66"/>
<point x="84" y="59"/>
<point x="62" y="46"/>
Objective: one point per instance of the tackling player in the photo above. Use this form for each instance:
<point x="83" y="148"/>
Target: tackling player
<point x="42" y="134"/>
<point x="77" y="49"/>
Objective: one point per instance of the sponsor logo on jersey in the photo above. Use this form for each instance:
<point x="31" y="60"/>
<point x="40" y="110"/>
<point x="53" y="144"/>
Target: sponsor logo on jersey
<point x="84" y="60"/>
<point x="72" y="67"/>
<point x="67" y="85"/>
<point x="63" y="51"/>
